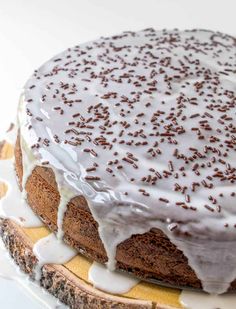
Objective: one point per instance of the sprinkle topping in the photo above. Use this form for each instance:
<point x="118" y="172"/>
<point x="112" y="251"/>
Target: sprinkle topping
<point x="150" y="115"/>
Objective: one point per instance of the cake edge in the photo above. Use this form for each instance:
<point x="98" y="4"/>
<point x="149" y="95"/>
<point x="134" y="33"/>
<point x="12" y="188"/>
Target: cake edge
<point x="179" y="280"/>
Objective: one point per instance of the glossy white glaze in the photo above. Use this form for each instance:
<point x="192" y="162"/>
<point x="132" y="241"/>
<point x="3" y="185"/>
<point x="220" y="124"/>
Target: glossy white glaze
<point x="110" y="281"/>
<point x="30" y="292"/>
<point x="194" y="300"/>
<point x="82" y="113"/>
<point x="50" y="250"/>
<point x="65" y="196"/>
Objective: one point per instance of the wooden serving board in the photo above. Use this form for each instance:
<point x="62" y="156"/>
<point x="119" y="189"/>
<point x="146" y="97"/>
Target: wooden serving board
<point x="69" y="282"/>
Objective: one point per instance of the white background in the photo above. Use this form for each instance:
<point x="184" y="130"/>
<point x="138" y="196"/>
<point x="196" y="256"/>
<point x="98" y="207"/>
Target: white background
<point x="31" y="31"/>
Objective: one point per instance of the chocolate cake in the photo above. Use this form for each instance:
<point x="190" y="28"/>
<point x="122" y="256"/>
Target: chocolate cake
<point x="126" y="150"/>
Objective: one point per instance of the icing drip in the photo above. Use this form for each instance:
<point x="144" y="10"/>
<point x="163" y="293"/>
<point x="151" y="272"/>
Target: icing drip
<point x="195" y="300"/>
<point x="60" y="215"/>
<point x="50" y="250"/>
<point x="110" y="281"/>
<point x="65" y="197"/>
<point x="143" y="125"/>
<point x="33" y="295"/>
<point x="205" y="265"/>
<point x="13" y="205"/>
<point x="29" y="162"/>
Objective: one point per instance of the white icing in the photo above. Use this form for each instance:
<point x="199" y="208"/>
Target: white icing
<point x="199" y="300"/>
<point x="30" y="292"/>
<point x="13" y="205"/>
<point x="70" y="76"/>
<point x="65" y="196"/>
<point x="29" y="163"/>
<point x="206" y="264"/>
<point x="110" y="281"/>
<point x="50" y="250"/>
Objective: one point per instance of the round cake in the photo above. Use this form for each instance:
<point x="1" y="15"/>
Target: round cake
<point x="126" y="150"/>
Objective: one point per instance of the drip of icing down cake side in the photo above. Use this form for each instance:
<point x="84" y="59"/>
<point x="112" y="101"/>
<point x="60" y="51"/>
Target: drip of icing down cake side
<point x="13" y="205"/>
<point x="200" y="300"/>
<point x="30" y="293"/>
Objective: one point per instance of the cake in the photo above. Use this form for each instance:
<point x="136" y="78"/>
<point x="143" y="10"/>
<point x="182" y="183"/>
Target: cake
<point x="126" y="151"/>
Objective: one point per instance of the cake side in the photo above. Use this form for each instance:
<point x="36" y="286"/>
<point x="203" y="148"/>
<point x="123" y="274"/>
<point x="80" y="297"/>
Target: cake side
<point x="62" y="281"/>
<point x="150" y="255"/>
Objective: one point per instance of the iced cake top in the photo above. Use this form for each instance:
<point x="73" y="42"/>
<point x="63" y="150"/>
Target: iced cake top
<point x="143" y="124"/>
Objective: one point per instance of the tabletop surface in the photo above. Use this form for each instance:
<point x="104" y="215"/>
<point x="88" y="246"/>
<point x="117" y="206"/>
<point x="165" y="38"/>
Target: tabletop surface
<point x="31" y="32"/>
